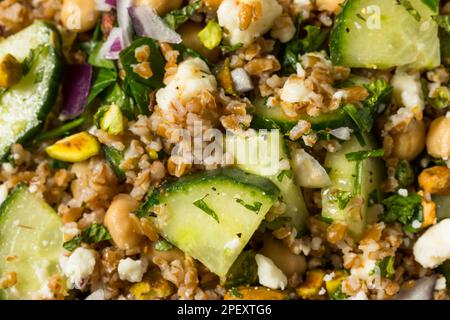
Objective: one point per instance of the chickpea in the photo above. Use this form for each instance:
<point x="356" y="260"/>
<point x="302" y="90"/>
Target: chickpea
<point x="329" y="5"/>
<point x="161" y="6"/>
<point x="188" y="32"/>
<point x="438" y="138"/>
<point x="79" y="15"/>
<point x="122" y="224"/>
<point x="410" y="142"/>
<point x="284" y="259"/>
<point x="169" y="256"/>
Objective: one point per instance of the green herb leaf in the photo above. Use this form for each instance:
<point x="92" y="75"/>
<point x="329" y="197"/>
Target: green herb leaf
<point x="380" y="92"/>
<point x="102" y="80"/>
<point x="443" y="22"/>
<point x="366" y="154"/>
<point x="163" y="245"/>
<point x="72" y="244"/>
<point x="228" y="49"/>
<point x="284" y="173"/>
<point x="338" y="294"/>
<point x="362" y="116"/>
<point x="201" y="204"/>
<point x="140" y="94"/>
<point x="255" y="207"/>
<point x="116" y="95"/>
<point x="128" y="60"/>
<point x="386" y="266"/>
<point x="151" y="201"/>
<point x="315" y="37"/>
<point x="235" y="293"/>
<point x="404" y="210"/>
<point x="211" y="35"/>
<point x="186" y="52"/>
<point x="95" y="233"/>
<point x="57" y="164"/>
<point x="60" y="131"/>
<point x="275" y="224"/>
<point x="342" y="198"/>
<point x="97" y="61"/>
<point x="409" y="7"/>
<point x="404" y="174"/>
<point x="176" y="18"/>
<point x="114" y="157"/>
<point x="244" y="271"/>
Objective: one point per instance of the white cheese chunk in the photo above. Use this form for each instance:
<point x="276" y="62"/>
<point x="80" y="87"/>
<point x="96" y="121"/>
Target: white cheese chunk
<point x="228" y="15"/>
<point x="78" y="267"/>
<point x="192" y="77"/>
<point x="433" y="247"/>
<point x="269" y="274"/>
<point x="131" y="270"/>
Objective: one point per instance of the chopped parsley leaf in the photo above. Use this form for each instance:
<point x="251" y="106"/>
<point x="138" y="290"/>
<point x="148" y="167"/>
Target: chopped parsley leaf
<point x="255" y="207"/>
<point x="201" y="204"/>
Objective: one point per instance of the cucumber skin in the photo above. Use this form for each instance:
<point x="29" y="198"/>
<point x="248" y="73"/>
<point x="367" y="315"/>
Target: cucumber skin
<point x="332" y="120"/>
<point x="12" y="197"/>
<point x="229" y="174"/>
<point x="191" y="231"/>
<point x="337" y="57"/>
<point x="51" y="94"/>
<point x="335" y="36"/>
<point x="373" y="174"/>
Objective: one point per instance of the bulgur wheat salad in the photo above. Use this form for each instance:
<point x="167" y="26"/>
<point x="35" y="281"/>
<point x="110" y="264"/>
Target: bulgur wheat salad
<point x="224" y="149"/>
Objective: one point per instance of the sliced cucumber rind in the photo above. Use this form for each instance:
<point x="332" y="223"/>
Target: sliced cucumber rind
<point x="212" y="215"/>
<point x="222" y="175"/>
<point x="266" y="117"/>
<point x="342" y="175"/>
<point x="39" y="33"/>
<point x="30" y="234"/>
<point x="25" y="106"/>
<point x="382" y="34"/>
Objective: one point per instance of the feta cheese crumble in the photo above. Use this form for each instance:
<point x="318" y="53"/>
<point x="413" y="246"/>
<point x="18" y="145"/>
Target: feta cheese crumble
<point x="433" y="247"/>
<point x="269" y="274"/>
<point x="228" y="15"/>
<point x="131" y="270"/>
<point x="78" y="267"/>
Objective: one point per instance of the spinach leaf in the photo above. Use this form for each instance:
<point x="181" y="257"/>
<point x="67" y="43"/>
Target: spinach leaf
<point x="102" y="80"/>
<point x="129" y="62"/>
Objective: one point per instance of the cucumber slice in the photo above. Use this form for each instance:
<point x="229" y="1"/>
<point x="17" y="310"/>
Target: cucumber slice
<point x="213" y="214"/>
<point x="24" y="107"/>
<point x="266" y="117"/>
<point x="342" y="175"/>
<point x="29" y="231"/>
<point x="245" y="148"/>
<point x="22" y="43"/>
<point x="383" y="34"/>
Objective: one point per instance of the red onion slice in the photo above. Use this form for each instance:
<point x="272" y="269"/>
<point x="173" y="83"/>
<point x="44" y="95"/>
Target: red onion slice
<point x="104" y="5"/>
<point x="124" y="21"/>
<point x="113" y="45"/>
<point x="75" y="89"/>
<point x="147" y="23"/>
